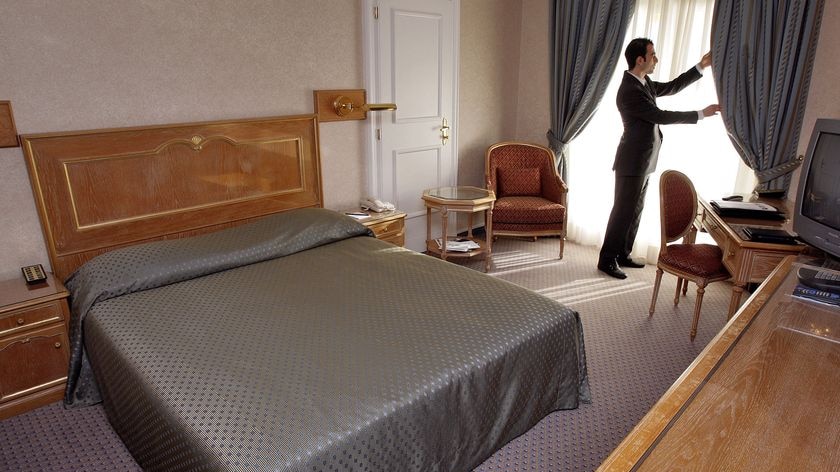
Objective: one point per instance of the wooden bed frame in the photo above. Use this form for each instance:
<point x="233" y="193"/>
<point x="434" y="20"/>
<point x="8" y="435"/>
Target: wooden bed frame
<point x="103" y="189"/>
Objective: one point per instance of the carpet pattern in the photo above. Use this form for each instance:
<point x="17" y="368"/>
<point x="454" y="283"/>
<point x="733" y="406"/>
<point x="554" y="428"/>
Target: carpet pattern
<point x="633" y="359"/>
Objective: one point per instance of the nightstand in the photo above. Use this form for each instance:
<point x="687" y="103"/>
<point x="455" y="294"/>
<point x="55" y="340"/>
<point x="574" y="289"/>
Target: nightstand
<point x="387" y="226"/>
<point x="34" y="346"/>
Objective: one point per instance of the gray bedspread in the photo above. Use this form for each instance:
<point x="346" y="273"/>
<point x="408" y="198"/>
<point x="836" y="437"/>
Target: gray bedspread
<point x="343" y="354"/>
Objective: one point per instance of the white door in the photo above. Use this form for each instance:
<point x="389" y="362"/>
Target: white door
<point x="411" y="56"/>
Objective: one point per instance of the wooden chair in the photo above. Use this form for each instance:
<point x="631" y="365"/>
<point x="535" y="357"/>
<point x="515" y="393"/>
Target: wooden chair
<point x="530" y="195"/>
<point x="699" y="263"/>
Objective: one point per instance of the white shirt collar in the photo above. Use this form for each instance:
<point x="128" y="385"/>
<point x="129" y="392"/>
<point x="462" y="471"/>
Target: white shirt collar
<point x="640" y="79"/>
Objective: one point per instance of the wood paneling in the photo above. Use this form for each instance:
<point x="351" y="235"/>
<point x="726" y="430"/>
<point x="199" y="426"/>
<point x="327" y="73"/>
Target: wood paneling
<point x="101" y="189"/>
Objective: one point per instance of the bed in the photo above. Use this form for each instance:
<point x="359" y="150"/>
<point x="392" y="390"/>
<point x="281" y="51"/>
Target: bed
<point x="227" y="321"/>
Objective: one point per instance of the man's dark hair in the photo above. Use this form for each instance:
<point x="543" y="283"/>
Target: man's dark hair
<point x="636" y="48"/>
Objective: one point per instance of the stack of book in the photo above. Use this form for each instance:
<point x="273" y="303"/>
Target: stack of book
<point x="756" y="210"/>
<point x="818" y="284"/>
<point x="817" y="295"/>
<point x="458" y="245"/>
<point x="769" y="235"/>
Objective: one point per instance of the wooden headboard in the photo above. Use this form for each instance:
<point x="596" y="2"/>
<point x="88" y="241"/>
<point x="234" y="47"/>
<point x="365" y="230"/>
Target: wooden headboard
<point x="102" y="189"/>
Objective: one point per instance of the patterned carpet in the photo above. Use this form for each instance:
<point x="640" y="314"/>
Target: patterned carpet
<point x="632" y="360"/>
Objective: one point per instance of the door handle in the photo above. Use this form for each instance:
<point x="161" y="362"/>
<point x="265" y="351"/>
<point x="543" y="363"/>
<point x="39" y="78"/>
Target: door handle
<point x="444" y="132"/>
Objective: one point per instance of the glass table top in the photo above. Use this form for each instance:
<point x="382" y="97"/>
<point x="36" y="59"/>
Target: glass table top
<point x="458" y="193"/>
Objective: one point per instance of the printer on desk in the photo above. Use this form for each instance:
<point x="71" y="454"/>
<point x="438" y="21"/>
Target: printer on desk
<point x="755" y="210"/>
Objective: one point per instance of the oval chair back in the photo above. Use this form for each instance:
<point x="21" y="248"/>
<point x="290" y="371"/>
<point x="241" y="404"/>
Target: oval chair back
<point x="677" y="206"/>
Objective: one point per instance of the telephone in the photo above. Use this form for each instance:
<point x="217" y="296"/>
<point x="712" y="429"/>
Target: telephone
<point x="374" y="204"/>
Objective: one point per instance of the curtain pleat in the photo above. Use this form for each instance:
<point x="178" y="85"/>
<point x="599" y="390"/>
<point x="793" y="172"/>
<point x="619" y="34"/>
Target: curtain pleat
<point x="587" y="43"/>
<point x="762" y="59"/>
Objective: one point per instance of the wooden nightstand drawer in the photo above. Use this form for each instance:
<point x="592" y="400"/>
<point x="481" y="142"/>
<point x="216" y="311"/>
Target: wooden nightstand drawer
<point x="33" y="361"/>
<point x="32" y="317"/>
<point x="387" y="226"/>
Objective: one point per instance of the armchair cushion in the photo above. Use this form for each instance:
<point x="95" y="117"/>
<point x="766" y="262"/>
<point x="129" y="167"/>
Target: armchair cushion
<point x="528" y="210"/>
<point x="519" y="181"/>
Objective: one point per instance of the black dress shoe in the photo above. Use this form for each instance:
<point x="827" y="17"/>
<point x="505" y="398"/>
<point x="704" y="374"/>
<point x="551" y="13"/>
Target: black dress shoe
<point x="627" y="262"/>
<point x="611" y="268"/>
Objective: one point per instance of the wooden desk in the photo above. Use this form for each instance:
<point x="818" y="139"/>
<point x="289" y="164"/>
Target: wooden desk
<point x="747" y="261"/>
<point x="761" y="396"/>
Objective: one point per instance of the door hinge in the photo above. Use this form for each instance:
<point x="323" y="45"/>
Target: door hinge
<point x="375" y="13"/>
<point x="378" y="134"/>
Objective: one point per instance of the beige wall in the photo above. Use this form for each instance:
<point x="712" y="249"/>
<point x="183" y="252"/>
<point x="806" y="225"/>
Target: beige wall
<point x="533" y="112"/>
<point x="488" y="76"/>
<point x="823" y="96"/>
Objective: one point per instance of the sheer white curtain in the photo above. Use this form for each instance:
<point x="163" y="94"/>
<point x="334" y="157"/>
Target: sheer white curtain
<point x="680" y="31"/>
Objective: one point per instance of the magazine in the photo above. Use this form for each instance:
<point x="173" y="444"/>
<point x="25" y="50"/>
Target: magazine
<point x="817" y="295"/>
<point x="458" y="245"/>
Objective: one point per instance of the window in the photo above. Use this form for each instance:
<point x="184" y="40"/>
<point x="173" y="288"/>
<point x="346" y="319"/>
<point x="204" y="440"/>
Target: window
<point x="680" y="31"/>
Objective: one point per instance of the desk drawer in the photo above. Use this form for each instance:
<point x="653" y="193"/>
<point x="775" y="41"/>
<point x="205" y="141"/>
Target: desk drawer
<point x="715" y="231"/>
<point x="762" y="264"/>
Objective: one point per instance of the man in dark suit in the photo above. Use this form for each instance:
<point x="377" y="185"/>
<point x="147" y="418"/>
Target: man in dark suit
<point x="638" y="150"/>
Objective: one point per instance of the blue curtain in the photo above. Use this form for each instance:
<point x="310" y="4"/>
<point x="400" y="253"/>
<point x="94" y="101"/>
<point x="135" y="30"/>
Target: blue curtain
<point x="762" y="57"/>
<point x="587" y="41"/>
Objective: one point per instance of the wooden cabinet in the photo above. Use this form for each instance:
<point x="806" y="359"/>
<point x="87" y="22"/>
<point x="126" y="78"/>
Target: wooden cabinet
<point x="387" y="226"/>
<point x="34" y="346"/>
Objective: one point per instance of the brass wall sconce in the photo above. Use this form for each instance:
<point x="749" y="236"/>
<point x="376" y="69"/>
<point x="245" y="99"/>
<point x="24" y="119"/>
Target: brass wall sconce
<point x="340" y="105"/>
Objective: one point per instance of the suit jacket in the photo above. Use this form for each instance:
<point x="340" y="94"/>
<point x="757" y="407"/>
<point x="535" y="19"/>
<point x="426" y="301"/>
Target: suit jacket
<point x="638" y="150"/>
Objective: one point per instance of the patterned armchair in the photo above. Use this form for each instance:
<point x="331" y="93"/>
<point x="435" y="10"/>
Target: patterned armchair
<point x="530" y="195"/>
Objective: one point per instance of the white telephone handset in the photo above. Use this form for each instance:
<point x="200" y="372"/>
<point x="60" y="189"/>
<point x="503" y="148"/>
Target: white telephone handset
<point x="374" y="204"/>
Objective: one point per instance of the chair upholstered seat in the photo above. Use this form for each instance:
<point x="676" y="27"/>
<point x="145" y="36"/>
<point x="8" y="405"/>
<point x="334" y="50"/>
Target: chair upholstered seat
<point x="702" y="260"/>
<point x="530" y="195"/>
<point x="533" y="210"/>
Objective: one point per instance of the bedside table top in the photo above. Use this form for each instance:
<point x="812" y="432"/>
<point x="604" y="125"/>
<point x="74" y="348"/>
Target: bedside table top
<point x="374" y="217"/>
<point x="14" y="292"/>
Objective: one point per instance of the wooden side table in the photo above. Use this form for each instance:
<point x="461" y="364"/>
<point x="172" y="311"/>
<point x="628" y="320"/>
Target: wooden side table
<point x="34" y="346"/>
<point x="459" y="199"/>
<point x="388" y="226"/>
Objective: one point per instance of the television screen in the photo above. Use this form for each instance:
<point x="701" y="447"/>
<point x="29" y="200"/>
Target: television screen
<point x="821" y="197"/>
<point x="817" y="215"/>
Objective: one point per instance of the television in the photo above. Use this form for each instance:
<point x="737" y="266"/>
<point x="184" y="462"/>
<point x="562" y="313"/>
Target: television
<point x="816" y="217"/>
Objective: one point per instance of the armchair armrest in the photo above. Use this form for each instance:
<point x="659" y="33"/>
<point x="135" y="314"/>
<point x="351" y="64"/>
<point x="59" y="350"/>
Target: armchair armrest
<point x="554" y="189"/>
